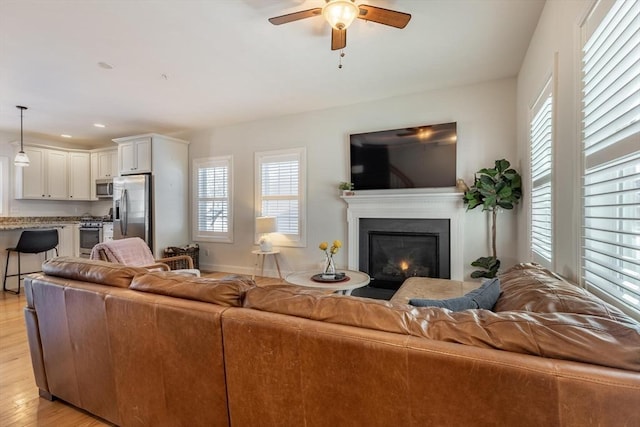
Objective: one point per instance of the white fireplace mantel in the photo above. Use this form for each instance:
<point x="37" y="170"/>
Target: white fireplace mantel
<point x="433" y="205"/>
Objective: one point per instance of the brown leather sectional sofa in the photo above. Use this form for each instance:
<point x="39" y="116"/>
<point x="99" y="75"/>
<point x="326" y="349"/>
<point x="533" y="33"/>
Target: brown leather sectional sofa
<point x="159" y="349"/>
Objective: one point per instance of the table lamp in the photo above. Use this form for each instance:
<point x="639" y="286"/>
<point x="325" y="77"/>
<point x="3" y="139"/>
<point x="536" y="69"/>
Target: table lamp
<point x="264" y="226"/>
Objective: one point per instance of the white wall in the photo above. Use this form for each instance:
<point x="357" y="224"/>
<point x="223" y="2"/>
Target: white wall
<point x="556" y="34"/>
<point x="486" y="119"/>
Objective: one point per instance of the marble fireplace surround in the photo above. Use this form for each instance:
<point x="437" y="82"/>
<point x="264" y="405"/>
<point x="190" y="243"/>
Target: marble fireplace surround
<point x="423" y="205"/>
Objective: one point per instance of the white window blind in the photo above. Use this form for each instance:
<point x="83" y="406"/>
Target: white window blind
<point x="280" y="191"/>
<point x="213" y="205"/>
<point x="611" y="151"/>
<point x="541" y="155"/>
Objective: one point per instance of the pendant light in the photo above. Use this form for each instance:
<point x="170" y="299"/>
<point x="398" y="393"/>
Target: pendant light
<point x="21" y="160"/>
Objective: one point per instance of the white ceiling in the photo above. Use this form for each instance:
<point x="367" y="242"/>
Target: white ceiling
<point x="180" y="65"/>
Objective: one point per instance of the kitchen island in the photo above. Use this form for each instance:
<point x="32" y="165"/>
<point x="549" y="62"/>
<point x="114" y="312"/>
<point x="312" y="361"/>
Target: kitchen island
<point x="12" y="227"/>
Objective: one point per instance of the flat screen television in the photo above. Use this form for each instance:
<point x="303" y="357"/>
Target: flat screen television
<point x="417" y="157"/>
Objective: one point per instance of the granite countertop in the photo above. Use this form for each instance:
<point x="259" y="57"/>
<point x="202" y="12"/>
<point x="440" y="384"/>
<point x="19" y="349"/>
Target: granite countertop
<point x="34" y="222"/>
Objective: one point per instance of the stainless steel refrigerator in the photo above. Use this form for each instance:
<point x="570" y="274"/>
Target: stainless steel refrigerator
<point x="132" y="207"/>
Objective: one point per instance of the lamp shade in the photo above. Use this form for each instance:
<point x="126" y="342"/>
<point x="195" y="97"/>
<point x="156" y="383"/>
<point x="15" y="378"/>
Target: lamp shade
<point x="340" y="13"/>
<point x="21" y="160"/>
<point x="266" y="224"/>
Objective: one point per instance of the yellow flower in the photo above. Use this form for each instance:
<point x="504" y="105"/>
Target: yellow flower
<point x="323" y="246"/>
<point x="337" y="243"/>
<point x="334" y="250"/>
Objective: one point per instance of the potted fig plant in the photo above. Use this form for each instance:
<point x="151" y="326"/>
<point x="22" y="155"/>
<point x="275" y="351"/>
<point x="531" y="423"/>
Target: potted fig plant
<point x="497" y="188"/>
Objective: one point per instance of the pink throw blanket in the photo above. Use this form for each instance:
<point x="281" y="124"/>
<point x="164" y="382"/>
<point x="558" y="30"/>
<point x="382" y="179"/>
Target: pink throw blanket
<point x="133" y="251"/>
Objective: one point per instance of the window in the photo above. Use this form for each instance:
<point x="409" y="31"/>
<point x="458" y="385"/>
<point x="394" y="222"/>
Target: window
<point x="541" y="163"/>
<point x="213" y="211"/>
<point x="611" y="152"/>
<point x="280" y="189"/>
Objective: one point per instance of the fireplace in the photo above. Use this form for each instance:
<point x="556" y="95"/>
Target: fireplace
<point x="391" y="250"/>
<point x="409" y="205"/>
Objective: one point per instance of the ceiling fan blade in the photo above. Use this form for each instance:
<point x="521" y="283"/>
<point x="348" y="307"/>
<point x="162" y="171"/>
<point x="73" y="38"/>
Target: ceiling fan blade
<point x="384" y="16"/>
<point x="295" y="16"/>
<point x="338" y="39"/>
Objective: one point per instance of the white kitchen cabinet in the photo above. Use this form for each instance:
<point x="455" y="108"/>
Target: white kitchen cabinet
<point x="57" y="174"/>
<point x="30" y="179"/>
<point x="107" y="164"/>
<point x="67" y="240"/>
<point x="45" y="177"/>
<point x="134" y="156"/>
<point x="79" y="176"/>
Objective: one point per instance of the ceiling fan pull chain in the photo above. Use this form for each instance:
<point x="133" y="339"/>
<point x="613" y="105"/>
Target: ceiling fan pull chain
<point x="340" y="60"/>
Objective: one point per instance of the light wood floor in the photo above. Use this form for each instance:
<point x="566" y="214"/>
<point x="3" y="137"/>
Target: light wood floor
<point x="20" y="405"/>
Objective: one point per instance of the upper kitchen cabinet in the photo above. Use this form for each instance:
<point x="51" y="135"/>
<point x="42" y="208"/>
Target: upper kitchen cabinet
<point x="107" y="164"/>
<point x="134" y="155"/>
<point x="152" y="153"/>
<point x="45" y="177"/>
<point x="79" y="176"/>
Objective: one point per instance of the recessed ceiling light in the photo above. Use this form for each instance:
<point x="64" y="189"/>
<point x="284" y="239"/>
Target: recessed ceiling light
<point x="64" y="135"/>
<point x="105" y="65"/>
<point x="99" y="125"/>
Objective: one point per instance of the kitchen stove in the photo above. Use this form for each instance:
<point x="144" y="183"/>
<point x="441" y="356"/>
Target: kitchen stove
<point x="90" y="234"/>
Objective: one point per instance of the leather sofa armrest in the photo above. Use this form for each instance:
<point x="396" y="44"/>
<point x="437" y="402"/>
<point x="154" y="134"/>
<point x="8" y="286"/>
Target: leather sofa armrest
<point x="35" y="348"/>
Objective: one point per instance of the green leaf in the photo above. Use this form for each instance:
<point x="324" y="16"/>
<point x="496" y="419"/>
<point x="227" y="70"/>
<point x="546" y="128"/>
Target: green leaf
<point x="489" y="202"/>
<point x="505" y="205"/>
<point x="486" y="193"/>
<point x="504" y="192"/>
<point x="489" y="172"/>
<point x="484" y="262"/>
<point x="486" y="181"/>
<point x="490" y="266"/>
<point x="471" y="204"/>
<point x="502" y="165"/>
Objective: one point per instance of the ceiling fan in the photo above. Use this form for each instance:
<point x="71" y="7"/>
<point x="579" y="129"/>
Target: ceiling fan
<point x="341" y="13"/>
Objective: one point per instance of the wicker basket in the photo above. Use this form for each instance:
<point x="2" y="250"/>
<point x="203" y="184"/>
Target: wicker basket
<point x="192" y="250"/>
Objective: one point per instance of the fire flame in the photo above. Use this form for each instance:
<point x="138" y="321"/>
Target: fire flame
<point x="404" y="266"/>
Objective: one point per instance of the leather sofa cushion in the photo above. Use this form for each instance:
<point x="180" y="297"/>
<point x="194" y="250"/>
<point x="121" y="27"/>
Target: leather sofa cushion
<point x="581" y="338"/>
<point x="531" y="287"/>
<point x="100" y="272"/>
<point x="226" y="292"/>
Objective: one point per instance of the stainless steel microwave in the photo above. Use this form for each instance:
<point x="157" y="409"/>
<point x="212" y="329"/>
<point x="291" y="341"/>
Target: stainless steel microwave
<point x="104" y="188"/>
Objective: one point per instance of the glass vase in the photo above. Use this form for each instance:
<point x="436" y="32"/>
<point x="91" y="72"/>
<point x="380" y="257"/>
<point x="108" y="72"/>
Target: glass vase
<point x="329" y="271"/>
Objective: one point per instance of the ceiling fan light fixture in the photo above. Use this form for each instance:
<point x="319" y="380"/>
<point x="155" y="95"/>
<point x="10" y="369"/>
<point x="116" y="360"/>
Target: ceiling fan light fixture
<point x="340" y="13"/>
<point x="21" y="160"/>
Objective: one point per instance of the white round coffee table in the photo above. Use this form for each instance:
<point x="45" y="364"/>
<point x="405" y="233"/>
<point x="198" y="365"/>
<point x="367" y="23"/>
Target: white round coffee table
<point x="357" y="279"/>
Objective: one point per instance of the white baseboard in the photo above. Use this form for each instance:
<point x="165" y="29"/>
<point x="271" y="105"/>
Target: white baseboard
<point x="242" y="269"/>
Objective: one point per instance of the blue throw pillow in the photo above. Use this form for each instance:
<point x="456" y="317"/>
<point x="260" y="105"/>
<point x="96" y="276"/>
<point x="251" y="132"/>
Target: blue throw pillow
<point x="484" y="297"/>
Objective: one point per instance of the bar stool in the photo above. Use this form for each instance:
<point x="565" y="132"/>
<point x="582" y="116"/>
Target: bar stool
<point x="30" y="242"/>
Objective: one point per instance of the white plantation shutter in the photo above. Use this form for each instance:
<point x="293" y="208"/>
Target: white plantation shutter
<point x="280" y="191"/>
<point x="541" y="144"/>
<point x="213" y="205"/>
<point x="280" y="188"/>
<point x="611" y="151"/>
